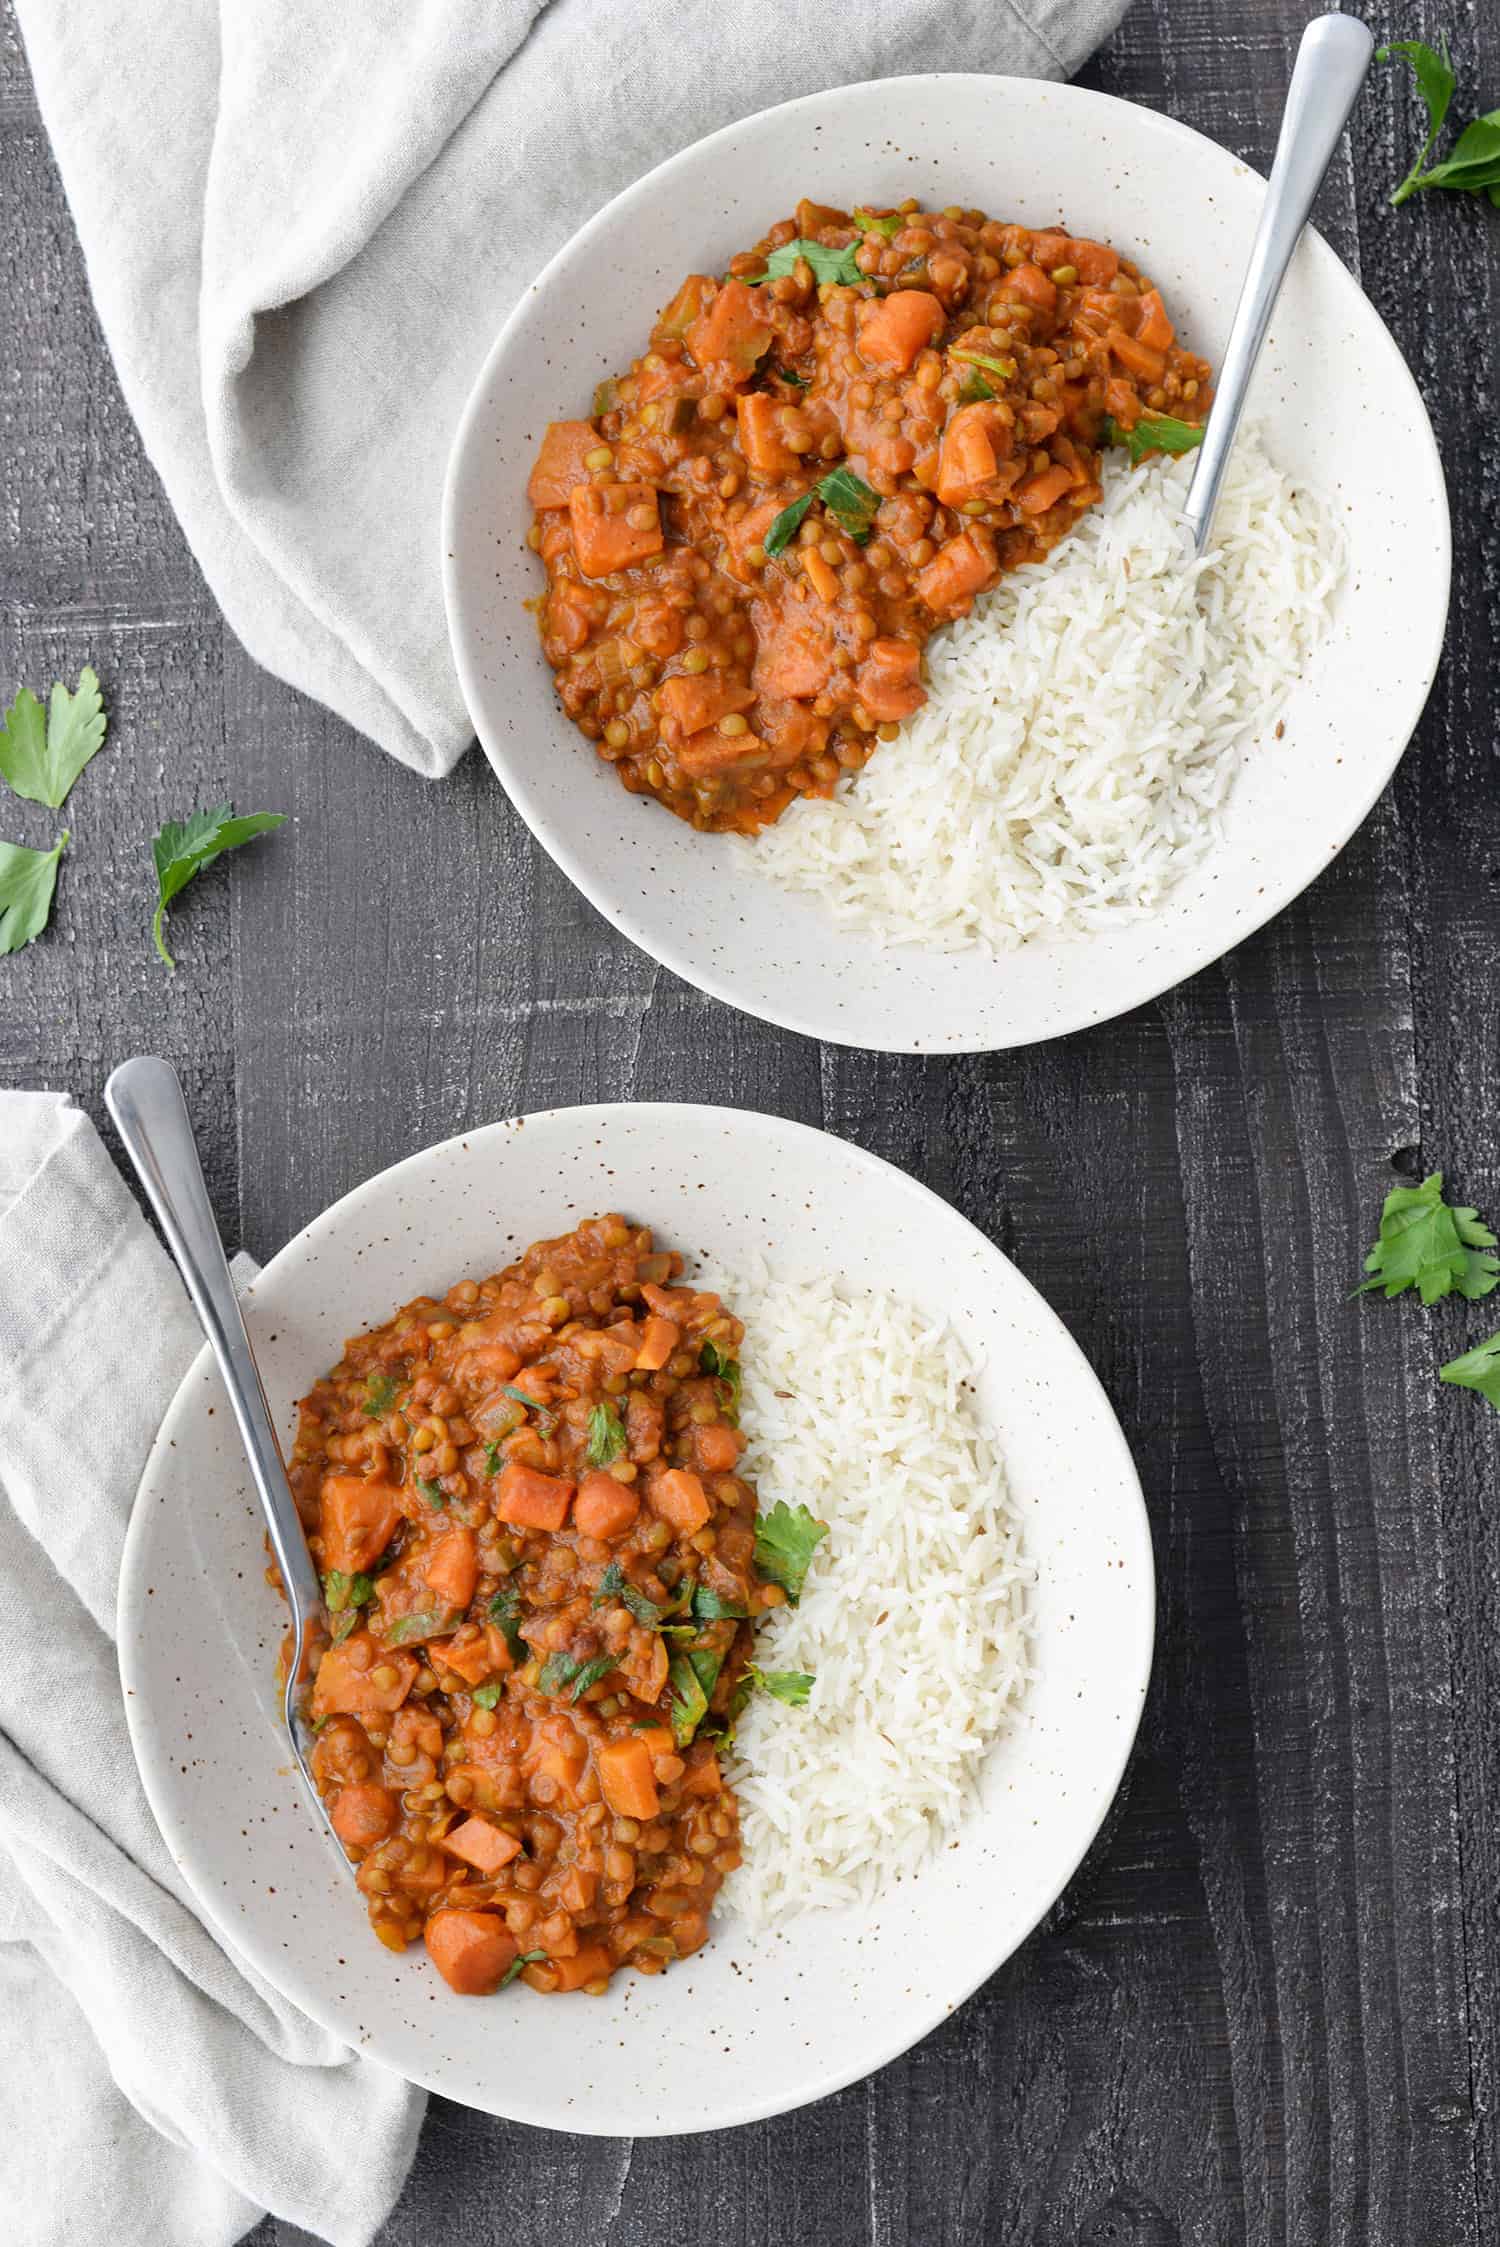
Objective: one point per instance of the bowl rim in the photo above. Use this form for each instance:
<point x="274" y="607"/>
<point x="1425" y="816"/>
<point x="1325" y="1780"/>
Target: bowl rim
<point x="1134" y="1654"/>
<point x="614" y="903"/>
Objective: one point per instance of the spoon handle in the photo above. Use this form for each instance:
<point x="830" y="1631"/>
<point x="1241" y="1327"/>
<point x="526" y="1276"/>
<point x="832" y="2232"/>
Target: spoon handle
<point x="1330" y="69"/>
<point x="145" y="1100"/>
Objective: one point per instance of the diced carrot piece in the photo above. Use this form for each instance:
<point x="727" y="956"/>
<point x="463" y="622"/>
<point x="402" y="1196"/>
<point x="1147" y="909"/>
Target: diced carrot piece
<point x="892" y="332"/>
<point x="495" y="1361"/>
<point x="679" y="1498"/>
<point x="675" y="1302"/>
<point x="528" y="1499"/>
<point x="711" y="751"/>
<point x="728" y="339"/>
<point x="1138" y="358"/>
<point x="559" y="464"/>
<point x="659" y="1338"/>
<point x="890" y="680"/>
<point x="569" y="614"/>
<point x="675" y="320"/>
<point x="795" y="655"/>
<point x="1152" y="327"/>
<point x="359" y="1518"/>
<point x="656" y="1739"/>
<point x="972" y="443"/>
<point x="453" y="1570"/>
<point x="761" y="439"/>
<point x="703" y="1775"/>
<point x="347" y="1680"/>
<point x="626" y="1778"/>
<point x="1096" y="263"/>
<point x="605" y="538"/>
<point x="716" y="1449"/>
<point x="603" y="1507"/>
<point x="1122" y="401"/>
<point x="482" y="1845"/>
<point x="472" y="1658"/>
<point x="362" y="1815"/>
<point x="955" y="573"/>
<point x="1050" y="249"/>
<point x="1040" y="492"/>
<point x="591" y="1962"/>
<point x="471" y="1950"/>
<point x="687" y="704"/>
<point x="1033" y="287"/>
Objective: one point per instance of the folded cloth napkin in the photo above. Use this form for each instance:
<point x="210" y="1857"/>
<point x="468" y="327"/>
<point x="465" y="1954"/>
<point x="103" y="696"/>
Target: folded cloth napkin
<point x="304" y="226"/>
<point x="158" y="2093"/>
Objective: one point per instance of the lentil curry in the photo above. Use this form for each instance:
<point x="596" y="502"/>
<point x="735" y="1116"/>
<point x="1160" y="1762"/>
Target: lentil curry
<point x="540" y="1572"/>
<point x="821" y="457"/>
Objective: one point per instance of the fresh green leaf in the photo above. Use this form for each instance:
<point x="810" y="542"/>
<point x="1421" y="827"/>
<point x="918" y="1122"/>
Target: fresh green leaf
<point x="433" y="1622"/>
<point x="687" y="1701"/>
<point x="591" y="1673"/>
<point x="1154" y="433"/>
<point x="342" y="1592"/>
<point x="606" y="396"/>
<point x="787" y="525"/>
<point x="41" y="758"/>
<point x="614" y="1584"/>
<point x="27" y="881"/>
<point x="606" y="1435"/>
<point x="707" y="1661"/>
<point x="887" y="223"/>
<point x="712" y="1360"/>
<point x="1478" y="1368"/>
<point x="1472" y="165"/>
<point x="488" y="1694"/>
<point x="850" y="501"/>
<point x="381" y="1392"/>
<point x="1435" y="84"/>
<point x="546" y="1421"/>
<point x="523" y="1958"/>
<point x="785" y="1540"/>
<point x="434" y="1493"/>
<point x="184" y="848"/>
<point x="505" y="1609"/>
<point x="709" y="1608"/>
<point x="1004" y="368"/>
<point x="492" y="1458"/>
<point x="558" y="1672"/>
<point x="791" y="1686"/>
<point x="1430" y="1245"/>
<point x="343" y="1623"/>
<point x="790" y="374"/>
<point x="826" y="265"/>
<point x="974" y="389"/>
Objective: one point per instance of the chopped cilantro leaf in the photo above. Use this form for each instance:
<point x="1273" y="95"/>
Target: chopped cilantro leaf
<point x="791" y="1686"/>
<point x="488" y="1694"/>
<point x="786" y="525"/>
<point x="433" y="1493"/>
<point x="546" y="1421"/>
<point x="886" y="222"/>
<point x="381" y="1392"/>
<point x="492" y="1458"/>
<point x="825" y="264"/>
<point x="850" y="501"/>
<point x="1431" y="1245"/>
<point x="1154" y="433"/>
<point x="785" y="1540"/>
<point x="709" y="1608"/>
<point x="505" y="1609"/>
<point x="687" y="1700"/>
<point x="606" y="1435"/>
<point x="523" y="1958"/>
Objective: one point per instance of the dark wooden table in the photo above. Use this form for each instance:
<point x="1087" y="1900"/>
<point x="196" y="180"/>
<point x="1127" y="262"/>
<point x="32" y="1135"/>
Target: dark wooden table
<point x="1266" y="2010"/>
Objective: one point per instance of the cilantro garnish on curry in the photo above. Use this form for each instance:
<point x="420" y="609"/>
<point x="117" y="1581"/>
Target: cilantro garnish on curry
<point x="542" y="1570"/>
<point x="819" y="458"/>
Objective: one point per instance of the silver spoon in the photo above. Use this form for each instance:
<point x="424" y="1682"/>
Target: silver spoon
<point x="1330" y="69"/>
<point x="145" y="1100"/>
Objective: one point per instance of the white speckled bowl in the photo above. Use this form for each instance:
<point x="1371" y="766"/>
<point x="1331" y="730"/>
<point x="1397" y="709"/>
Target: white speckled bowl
<point x="1339" y="408"/>
<point x="749" y="2027"/>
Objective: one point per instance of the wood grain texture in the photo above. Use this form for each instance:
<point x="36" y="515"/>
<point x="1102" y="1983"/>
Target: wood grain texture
<point x="1264" y="2014"/>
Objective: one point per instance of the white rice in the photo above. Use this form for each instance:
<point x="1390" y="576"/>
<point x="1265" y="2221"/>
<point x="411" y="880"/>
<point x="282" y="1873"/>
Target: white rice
<point x="1083" y="725"/>
<point x="915" y="1617"/>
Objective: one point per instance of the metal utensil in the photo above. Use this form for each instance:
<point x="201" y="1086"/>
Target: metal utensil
<point x="145" y="1099"/>
<point x="1330" y="69"/>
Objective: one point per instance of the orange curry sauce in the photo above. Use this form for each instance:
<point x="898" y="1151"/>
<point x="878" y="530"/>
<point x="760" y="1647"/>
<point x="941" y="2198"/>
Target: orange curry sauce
<point x="539" y="1565"/>
<point x="928" y="391"/>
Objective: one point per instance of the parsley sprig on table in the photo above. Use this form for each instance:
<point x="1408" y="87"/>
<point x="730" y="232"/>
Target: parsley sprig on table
<point x="183" y="848"/>
<point x="1472" y="166"/>
<point x="43" y="752"/>
<point x="1432" y="1245"/>
<point x="27" y="881"/>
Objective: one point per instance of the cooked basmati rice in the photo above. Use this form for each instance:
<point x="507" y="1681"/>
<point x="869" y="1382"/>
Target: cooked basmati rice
<point x="915" y="1618"/>
<point x="1084" y="723"/>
